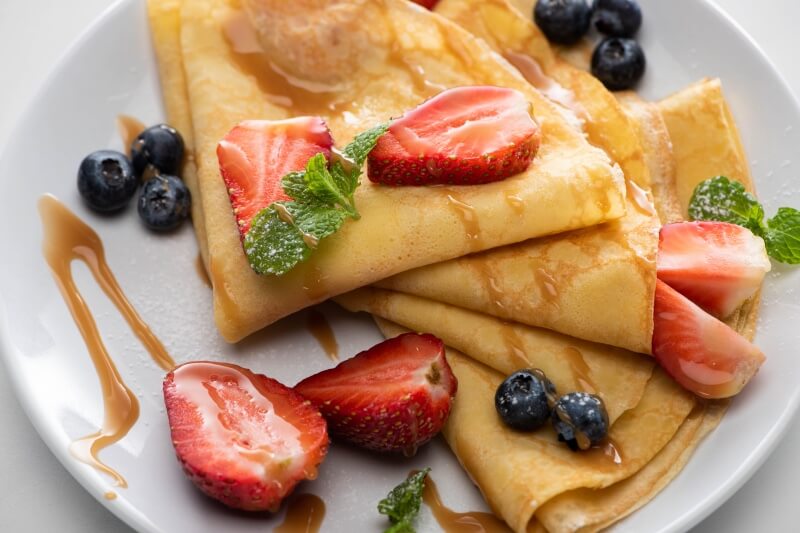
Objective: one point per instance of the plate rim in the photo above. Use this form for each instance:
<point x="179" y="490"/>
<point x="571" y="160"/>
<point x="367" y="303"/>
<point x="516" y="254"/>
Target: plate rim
<point x="132" y="517"/>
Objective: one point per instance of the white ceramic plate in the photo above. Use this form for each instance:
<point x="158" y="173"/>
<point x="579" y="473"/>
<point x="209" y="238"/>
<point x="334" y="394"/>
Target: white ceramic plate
<point x="111" y="70"/>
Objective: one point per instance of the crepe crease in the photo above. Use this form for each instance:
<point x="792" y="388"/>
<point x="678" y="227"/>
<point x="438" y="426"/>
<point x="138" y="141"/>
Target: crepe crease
<point x="405" y="56"/>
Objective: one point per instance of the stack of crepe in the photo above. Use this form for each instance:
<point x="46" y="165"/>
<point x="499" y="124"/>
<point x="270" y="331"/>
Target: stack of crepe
<point x="553" y="268"/>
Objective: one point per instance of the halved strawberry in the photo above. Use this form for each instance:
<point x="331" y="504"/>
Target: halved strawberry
<point x="463" y="136"/>
<point x="243" y="438"/>
<point x="701" y="353"/>
<point x="393" y="397"/>
<point x="716" y="265"/>
<point x="256" y="154"/>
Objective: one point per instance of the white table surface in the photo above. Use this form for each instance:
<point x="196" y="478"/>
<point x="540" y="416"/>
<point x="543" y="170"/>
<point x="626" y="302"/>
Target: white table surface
<point x="37" y="494"/>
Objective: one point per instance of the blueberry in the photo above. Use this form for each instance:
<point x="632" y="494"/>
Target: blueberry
<point x="563" y="21"/>
<point x="617" y="18"/>
<point x="159" y="146"/>
<point x="580" y="419"/>
<point x="524" y="399"/>
<point x="106" y="180"/>
<point x="164" y="202"/>
<point x="619" y="63"/>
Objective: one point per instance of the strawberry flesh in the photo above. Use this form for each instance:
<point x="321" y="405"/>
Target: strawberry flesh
<point x="256" y="154"/>
<point x="462" y="136"/>
<point x="428" y="4"/>
<point x="393" y="397"/>
<point x="701" y="353"/>
<point x="716" y="265"/>
<point x="242" y="438"/>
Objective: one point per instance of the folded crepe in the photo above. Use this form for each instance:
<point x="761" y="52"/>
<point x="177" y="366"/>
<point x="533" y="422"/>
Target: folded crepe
<point x="165" y="20"/>
<point x="356" y="64"/>
<point x="560" y="282"/>
<point x="503" y="463"/>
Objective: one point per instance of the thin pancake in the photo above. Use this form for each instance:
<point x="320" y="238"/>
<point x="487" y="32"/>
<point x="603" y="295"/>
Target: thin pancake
<point x="618" y="376"/>
<point x="165" y="28"/>
<point x="562" y="281"/>
<point x="569" y="185"/>
<point x="518" y="472"/>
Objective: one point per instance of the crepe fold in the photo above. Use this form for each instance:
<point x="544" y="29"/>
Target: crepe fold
<point x="490" y="452"/>
<point x="396" y="55"/>
<point x="518" y="472"/>
<point x="561" y="282"/>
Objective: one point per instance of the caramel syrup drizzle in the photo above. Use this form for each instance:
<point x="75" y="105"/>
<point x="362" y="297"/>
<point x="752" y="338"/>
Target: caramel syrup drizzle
<point x="455" y="522"/>
<point x="67" y="239"/>
<point x="129" y="128"/>
<point x="319" y="327"/>
<point x="304" y="514"/>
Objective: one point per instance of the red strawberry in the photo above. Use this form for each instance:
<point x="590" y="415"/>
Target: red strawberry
<point x="243" y="438"/>
<point x="463" y="136"/>
<point x="256" y="154"/>
<point x="429" y="4"/>
<point x="393" y="397"/>
<point x="701" y="353"/>
<point x="715" y="264"/>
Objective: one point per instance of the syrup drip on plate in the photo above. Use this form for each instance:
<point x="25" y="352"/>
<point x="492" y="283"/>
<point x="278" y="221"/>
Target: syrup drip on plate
<point x="455" y="522"/>
<point x="319" y="327"/>
<point x="68" y="239"/>
<point x="304" y="514"/>
<point x="129" y="128"/>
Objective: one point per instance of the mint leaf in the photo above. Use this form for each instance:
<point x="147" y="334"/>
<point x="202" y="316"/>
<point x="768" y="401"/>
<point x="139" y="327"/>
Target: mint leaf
<point x="286" y="233"/>
<point x="783" y="236"/>
<point x="272" y="246"/>
<point x="363" y="143"/>
<point x="402" y="504"/>
<point x="321" y="183"/>
<point x="726" y="201"/>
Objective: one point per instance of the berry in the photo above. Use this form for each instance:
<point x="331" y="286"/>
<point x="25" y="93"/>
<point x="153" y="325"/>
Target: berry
<point x="242" y="438"/>
<point x="563" y="21"/>
<point x="164" y="202"/>
<point x="428" y="4"/>
<point x="716" y="265"/>
<point x="393" y="397"/>
<point x="256" y="154"/>
<point x="525" y="399"/>
<point x="617" y="18"/>
<point x="160" y="147"/>
<point x="462" y="136"/>
<point x="618" y="63"/>
<point x="701" y="353"/>
<point x="580" y="419"/>
<point x="106" y="180"/>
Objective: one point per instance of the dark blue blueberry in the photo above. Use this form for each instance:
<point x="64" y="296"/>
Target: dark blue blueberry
<point x="619" y="63"/>
<point x="164" y="202"/>
<point x="524" y="399"/>
<point x="617" y="18"/>
<point x="563" y="21"/>
<point x="580" y="419"/>
<point x="106" y="180"/>
<point x="160" y="147"/>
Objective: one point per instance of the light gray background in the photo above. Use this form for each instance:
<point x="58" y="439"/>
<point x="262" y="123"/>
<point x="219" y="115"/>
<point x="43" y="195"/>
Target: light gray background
<point x="37" y="494"/>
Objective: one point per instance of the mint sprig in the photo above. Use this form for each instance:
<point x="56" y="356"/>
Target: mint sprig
<point x="724" y="200"/>
<point x="402" y="504"/>
<point x="286" y="233"/>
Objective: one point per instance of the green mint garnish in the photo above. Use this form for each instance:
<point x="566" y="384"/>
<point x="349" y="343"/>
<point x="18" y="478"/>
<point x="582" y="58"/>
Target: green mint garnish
<point x="286" y="233"/>
<point x="724" y="200"/>
<point x="402" y="503"/>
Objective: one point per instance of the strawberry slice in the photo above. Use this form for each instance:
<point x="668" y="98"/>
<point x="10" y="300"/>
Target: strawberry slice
<point x="256" y="154"/>
<point x="701" y="353"/>
<point x="716" y="265"/>
<point x="428" y="4"/>
<point x="243" y="438"/>
<point x="393" y="397"/>
<point x="462" y="136"/>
